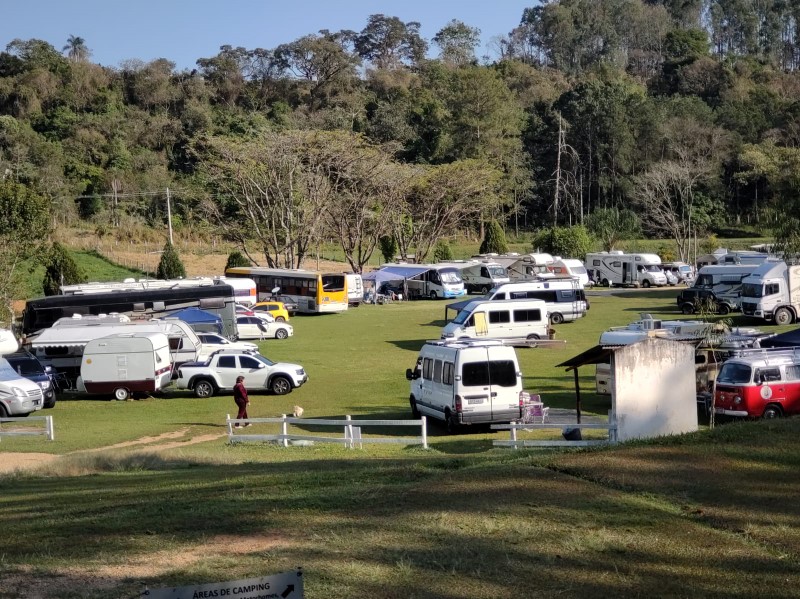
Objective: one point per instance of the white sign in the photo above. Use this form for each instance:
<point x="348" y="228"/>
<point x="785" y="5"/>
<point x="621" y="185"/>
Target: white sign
<point x="288" y="585"/>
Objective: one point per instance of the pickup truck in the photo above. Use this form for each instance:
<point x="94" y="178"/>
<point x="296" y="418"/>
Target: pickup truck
<point x="220" y="371"/>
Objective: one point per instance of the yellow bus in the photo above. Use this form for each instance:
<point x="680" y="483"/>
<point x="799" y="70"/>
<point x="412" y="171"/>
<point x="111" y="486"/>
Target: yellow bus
<point x="314" y="292"/>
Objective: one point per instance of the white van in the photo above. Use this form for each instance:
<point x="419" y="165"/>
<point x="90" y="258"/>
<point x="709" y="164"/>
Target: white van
<point x="466" y="382"/>
<point x="564" y="298"/>
<point x="126" y="363"/>
<point x="355" y="289"/>
<point x="505" y="319"/>
<point x="18" y="395"/>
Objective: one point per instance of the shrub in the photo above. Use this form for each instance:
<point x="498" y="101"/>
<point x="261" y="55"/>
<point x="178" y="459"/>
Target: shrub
<point x="442" y="251"/>
<point x="170" y="265"/>
<point x="567" y="242"/>
<point x="60" y="269"/>
<point x="494" y="241"/>
<point x="237" y="258"/>
<point x="388" y="247"/>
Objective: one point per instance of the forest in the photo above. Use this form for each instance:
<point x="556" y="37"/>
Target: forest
<point x="679" y="117"/>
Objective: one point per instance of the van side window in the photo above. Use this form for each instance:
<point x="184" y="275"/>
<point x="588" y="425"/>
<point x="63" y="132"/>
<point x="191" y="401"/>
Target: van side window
<point x="595" y="262"/>
<point x="793" y="372"/>
<point x="437" y="371"/>
<point x="427" y="369"/>
<point x="475" y="374"/>
<point x="616" y="264"/>
<point x="499" y="296"/>
<point x="499" y="317"/>
<point x="527" y="315"/>
<point x="503" y="373"/>
<point x="447" y="373"/>
<point x="768" y="375"/>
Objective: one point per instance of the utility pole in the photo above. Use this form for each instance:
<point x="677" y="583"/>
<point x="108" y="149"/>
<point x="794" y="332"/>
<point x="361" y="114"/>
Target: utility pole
<point x="169" y="217"/>
<point x="558" y="172"/>
<point x="114" y="211"/>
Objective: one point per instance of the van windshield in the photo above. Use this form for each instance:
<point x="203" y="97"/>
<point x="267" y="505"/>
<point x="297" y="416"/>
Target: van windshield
<point x="734" y="374"/>
<point x="7" y="373"/>
<point x="450" y="276"/>
<point x="462" y="316"/>
<point x="652" y="268"/>
<point x="497" y="272"/>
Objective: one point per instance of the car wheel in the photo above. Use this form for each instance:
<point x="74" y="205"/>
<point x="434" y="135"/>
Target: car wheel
<point x="203" y="389"/>
<point x="432" y="295"/>
<point x="281" y="334"/>
<point x="723" y="309"/>
<point x="282" y="319"/>
<point x="414" y="410"/>
<point x="121" y="394"/>
<point x="783" y="316"/>
<point x="771" y="412"/>
<point x="687" y="309"/>
<point x="646" y="284"/>
<point x="556" y="318"/>
<point x="280" y="385"/>
<point x="450" y="423"/>
<point x="3" y="411"/>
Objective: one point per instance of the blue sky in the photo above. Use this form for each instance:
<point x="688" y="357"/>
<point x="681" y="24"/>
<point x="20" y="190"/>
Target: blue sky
<point x="183" y="31"/>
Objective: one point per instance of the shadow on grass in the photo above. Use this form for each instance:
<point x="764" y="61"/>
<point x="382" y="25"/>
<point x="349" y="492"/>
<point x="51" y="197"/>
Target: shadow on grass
<point x="409" y="344"/>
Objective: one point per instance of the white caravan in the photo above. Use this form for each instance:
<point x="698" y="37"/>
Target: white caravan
<point x="126" y="363"/>
<point x="619" y="268"/>
<point x="466" y="382"/>
<point x="507" y="319"/>
<point x="570" y="267"/>
<point x="564" y="298"/>
<point x="355" y="289"/>
<point x="772" y="292"/>
<point x="725" y="280"/>
<point x="480" y="275"/>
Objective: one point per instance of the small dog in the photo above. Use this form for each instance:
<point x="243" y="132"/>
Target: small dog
<point x="297" y="411"/>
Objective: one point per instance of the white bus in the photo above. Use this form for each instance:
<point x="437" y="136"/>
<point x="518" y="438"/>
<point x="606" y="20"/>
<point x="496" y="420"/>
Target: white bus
<point x="314" y="292"/>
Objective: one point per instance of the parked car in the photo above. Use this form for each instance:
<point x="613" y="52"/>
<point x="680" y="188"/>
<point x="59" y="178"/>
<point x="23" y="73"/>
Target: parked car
<point x="693" y="299"/>
<point x="276" y="309"/>
<point x="18" y="395"/>
<point x="26" y="365"/>
<point x="257" y="327"/>
<point x="672" y="280"/>
<point x="241" y="309"/>
<point x="288" y="303"/>
<point x="220" y="371"/>
<point x="212" y="342"/>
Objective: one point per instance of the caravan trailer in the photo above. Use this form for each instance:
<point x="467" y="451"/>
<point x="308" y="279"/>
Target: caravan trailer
<point x="618" y="268"/>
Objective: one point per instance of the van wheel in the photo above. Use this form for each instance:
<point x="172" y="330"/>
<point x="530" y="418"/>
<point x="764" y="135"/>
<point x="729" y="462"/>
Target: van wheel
<point x="687" y="309"/>
<point x="414" y="410"/>
<point x="121" y="393"/>
<point x="533" y="337"/>
<point x="432" y="295"/>
<point x="646" y="284"/>
<point x="606" y="283"/>
<point x="771" y="412"/>
<point x="280" y="385"/>
<point x="556" y="318"/>
<point x="203" y="389"/>
<point x="450" y="423"/>
<point x="783" y="316"/>
<point x="484" y="290"/>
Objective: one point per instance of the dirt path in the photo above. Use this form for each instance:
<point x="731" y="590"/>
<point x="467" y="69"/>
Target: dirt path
<point x="10" y="462"/>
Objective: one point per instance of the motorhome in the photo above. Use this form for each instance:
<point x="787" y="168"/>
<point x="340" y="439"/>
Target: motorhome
<point x="725" y="280"/>
<point x="772" y="293"/>
<point x="506" y="319"/>
<point x="480" y="275"/>
<point x="126" y="363"/>
<point x="722" y="256"/>
<point x="760" y="383"/>
<point x="570" y="267"/>
<point x="521" y="267"/>
<point x="466" y="382"/>
<point x="618" y="268"/>
<point x="564" y="299"/>
<point x="434" y="281"/>
<point x="355" y="289"/>
<point x="62" y="345"/>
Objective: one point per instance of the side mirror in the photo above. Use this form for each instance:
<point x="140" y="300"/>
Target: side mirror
<point x="261" y="365"/>
<point x="409" y="374"/>
<point x="759" y="379"/>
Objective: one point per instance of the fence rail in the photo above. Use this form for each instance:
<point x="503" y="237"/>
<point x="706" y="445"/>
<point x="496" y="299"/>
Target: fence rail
<point x="47" y="430"/>
<point x="350" y="438"/>
<point x="513" y="427"/>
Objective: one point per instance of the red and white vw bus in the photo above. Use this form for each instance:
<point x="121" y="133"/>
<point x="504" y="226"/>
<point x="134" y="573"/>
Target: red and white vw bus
<point x="759" y="384"/>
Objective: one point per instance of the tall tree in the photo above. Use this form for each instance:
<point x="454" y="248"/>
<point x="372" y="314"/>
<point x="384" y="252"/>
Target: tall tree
<point x="60" y="269"/>
<point x="388" y="42"/>
<point x="457" y="42"/>
<point x="76" y="49"/>
<point x="170" y="265"/>
<point x="612" y="225"/>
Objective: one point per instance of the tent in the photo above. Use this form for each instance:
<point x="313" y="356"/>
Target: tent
<point x="787" y="339"/>
<point x="200" y="320"/>
<point x="394" y="277"/>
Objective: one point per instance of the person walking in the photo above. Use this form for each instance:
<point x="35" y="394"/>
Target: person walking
<point x="240" y="397"/>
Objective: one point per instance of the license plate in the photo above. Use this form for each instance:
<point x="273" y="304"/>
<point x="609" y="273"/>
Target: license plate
<point x="474" y="401"/>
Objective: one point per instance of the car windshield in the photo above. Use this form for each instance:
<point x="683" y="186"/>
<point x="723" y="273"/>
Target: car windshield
<point x="261" y="358"/>
<point x="733" y="373"/>
<point x="686" y="268"/>
<point x="752" y="290"/>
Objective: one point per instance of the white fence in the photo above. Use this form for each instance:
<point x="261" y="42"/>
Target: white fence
<point x="17" y="431"/>
<point x="514" y="442"/>
<point x="351" y="431"/>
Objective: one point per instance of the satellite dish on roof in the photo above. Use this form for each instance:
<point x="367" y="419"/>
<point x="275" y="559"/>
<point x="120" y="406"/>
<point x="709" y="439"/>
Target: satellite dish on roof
<point x="275" y="290"/>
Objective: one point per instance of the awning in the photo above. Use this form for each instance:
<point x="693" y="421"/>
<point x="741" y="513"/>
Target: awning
<point x="787" y="339"/>
<point x="406" y="272"/>
<point x="458" y="306"/>
<point x="599" y="354"/>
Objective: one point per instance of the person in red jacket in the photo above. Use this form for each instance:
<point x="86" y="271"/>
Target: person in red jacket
<point x="240" y="397"/>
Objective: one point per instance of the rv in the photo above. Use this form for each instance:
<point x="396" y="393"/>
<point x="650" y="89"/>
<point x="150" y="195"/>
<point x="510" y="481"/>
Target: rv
<point x="564" y="298"/>
<point x="683" y="273"/>
<point x="723" y="256"/>
<point x="480" y="276"/>
<point x="619" y="268"/>
<point x="570" y="267"/>
<point x="355" y="289"/>
<point x="466" y="382"/>
<point x="520" y="267"/>
<point x="725" y="280"/>
<point x="772" y="292"/>
<point x="507" y="319"/>
<point x="126" y="363"/>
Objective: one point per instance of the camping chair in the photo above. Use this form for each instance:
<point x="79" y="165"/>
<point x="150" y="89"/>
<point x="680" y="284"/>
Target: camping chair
<point x="534" y="411"/>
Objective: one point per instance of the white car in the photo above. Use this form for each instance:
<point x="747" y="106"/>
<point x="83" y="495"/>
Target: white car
<point x="211" y="342"/>
<point x="257" y="327"/>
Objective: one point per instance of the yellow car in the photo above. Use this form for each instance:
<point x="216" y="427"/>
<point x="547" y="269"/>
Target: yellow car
<point x="276" y="309"/>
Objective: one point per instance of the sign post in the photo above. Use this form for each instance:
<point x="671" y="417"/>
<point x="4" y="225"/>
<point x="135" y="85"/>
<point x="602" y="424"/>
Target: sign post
<point x="288" y="585"/>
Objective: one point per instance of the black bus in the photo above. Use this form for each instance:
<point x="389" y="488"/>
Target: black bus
<point x="140" y="304"/>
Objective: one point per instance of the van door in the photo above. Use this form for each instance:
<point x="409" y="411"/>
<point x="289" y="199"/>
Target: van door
<point x="481" y="326"/>
<point x="475" y="386"/>
<point x="627" y="275"/>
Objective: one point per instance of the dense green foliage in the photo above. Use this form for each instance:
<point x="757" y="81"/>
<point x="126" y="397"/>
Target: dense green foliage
<point x="442" y="251"/>
<point x="236" y="258"/>
<point x="170" y="265"/>
<point x="60" y="269"/>
<point x="563" y="241"/>
<point x="494" y="240"/>
<point x="685" y="113"/>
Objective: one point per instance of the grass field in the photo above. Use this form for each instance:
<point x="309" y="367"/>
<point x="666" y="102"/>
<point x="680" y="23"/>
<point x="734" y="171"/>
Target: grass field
<point x="150" y="492"/>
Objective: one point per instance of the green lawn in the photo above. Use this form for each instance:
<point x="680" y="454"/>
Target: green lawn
<point x="708" y="514"/>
